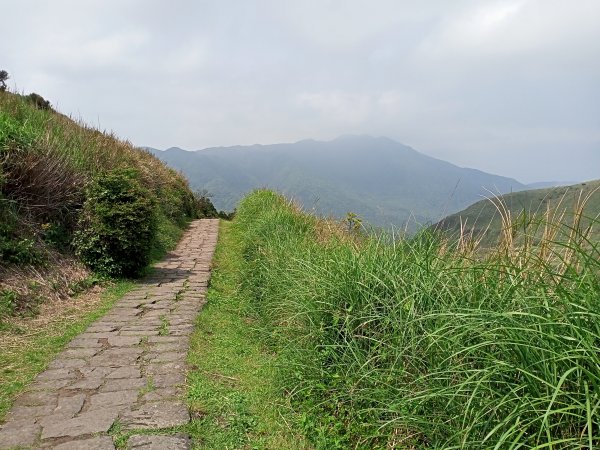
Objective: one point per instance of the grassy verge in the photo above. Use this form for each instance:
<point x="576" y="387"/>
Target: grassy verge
<point x="233" y="391"/>
<point x="422" y="343"/>
<point x="28" y="345"/>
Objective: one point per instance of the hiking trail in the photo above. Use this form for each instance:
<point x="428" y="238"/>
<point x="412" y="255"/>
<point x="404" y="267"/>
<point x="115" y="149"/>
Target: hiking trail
<point x="127" y="371"/>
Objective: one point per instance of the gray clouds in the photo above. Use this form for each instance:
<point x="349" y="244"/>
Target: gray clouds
<point x="510" y="87"/>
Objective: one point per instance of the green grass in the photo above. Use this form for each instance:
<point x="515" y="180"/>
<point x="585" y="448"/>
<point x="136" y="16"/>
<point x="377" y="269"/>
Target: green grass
<point x="164" y="326"/>
<point x="233" y="394"/>
<point x="47" y="162"/>
<point x="20" y="364"/>
<point x="486" y="219"/>
<point x="421" y="344"/>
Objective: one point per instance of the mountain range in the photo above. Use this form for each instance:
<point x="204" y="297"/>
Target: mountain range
<point x="383" y="181"/>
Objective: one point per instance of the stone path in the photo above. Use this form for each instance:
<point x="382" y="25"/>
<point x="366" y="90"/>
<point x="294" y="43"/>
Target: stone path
<point x="127" y="369"/>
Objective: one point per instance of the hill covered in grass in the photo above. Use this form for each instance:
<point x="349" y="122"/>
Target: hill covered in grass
<point x="527" y="212"/>
<point x="417" y="343"/>
<point x="70" y="194"/>
<point x="384" y="182"/>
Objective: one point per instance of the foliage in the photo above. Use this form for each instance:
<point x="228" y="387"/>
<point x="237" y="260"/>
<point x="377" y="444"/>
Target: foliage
<point x="3" y="77"/>
<point x="353" y="222"/>
<point x="117" y="226"/>
<point x="14" y="247"/>
<point x="8" y="302"/>
<point x="419" y="343"/>
<point x="57" y="235"/>
<point x="39" y="101"/>
<point x="226" y="215"/>
<point x="46" y="163"/>
<point x="205" y="206"/>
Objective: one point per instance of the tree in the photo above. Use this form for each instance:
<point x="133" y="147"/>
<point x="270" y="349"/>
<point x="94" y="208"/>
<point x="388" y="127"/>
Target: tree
<point x="3" y="77"/>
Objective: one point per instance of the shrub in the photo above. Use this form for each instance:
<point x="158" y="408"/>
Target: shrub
<point x="8" y="302"/>
<point x="3" y="77"/>
<point x="118" y="225"/>
<point x="39" y="101"/>
<point x="14" y="247"/>
<point x="204" y="206"/>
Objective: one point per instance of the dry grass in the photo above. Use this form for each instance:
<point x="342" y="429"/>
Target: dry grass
<point x="53" y="282"/>
<point x="53" y="314"/>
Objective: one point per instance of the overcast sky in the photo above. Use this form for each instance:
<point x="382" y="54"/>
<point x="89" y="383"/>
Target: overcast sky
<point x="511" y="87"/>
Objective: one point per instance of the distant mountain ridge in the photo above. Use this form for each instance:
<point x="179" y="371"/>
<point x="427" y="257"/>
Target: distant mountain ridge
<point x="384" y="182"/>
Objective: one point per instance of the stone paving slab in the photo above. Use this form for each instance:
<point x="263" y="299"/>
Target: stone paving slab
<point x="128" y="366"/>
<point x="95" y="443"/>
<point x="153" y="442"/>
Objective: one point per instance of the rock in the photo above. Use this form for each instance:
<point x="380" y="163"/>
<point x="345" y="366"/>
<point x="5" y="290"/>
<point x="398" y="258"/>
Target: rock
<point x="111" y="399"/>
<point x="124" y="384"/>
<point x="69" y="406"/>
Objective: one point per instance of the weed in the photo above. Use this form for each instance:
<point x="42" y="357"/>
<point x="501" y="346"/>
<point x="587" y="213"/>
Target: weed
<point x="179" y="294"/>
<point x="148" y="388"/>
<point x="8" y="302"/>
<point x="119" y="436"/>
<point x="84" y="284"/>
<point x="164" y="326"/>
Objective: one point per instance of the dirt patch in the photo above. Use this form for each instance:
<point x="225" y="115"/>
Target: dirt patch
<point x="52" y="313"/>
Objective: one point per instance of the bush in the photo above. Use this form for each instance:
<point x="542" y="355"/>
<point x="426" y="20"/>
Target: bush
<point x="118" y="225"/>
<point x="15" y="248"/>
<point x="39" y="101"/>
<point x="8" y="302"/>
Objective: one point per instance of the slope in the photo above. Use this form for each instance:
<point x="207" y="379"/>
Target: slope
<point x="526" y="208"/>
<point x="60" y="179"/>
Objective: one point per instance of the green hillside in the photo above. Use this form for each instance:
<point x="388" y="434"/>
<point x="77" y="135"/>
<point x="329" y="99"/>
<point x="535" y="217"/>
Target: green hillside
<point x="526" y="210"/>
<point x="383" y="181"/>
<point x="71" y="194"/>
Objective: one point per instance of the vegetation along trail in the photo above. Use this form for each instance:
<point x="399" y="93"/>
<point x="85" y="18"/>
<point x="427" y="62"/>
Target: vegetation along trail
<point x="122" y="380"/>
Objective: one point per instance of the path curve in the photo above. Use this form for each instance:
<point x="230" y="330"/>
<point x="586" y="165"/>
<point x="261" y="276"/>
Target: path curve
<point x="127" y="370"/>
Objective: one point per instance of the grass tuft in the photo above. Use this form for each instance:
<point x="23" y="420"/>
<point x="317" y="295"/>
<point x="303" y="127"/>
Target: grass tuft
<point x="424" y="342"/>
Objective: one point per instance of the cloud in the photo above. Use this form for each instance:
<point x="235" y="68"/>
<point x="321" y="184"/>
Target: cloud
<point x="507" y="86"/>
<point x="341" y="107"/>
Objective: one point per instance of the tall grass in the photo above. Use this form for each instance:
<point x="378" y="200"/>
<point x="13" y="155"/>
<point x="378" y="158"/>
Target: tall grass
<point x="424" y="343"/>
<point x="47" y="159"/>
